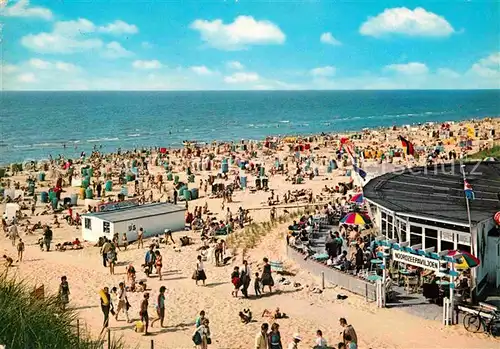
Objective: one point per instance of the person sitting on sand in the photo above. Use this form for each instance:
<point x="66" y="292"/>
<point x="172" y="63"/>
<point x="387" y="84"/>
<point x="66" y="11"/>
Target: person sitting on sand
<point x="56" y="222"/>
<point x="245" y="316"/>
<point x="276" y="314"/>
<point x="8" y="261"/>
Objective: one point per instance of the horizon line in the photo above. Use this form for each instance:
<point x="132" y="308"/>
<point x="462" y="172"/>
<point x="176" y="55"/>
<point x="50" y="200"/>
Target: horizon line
<point x="277" y="90"/>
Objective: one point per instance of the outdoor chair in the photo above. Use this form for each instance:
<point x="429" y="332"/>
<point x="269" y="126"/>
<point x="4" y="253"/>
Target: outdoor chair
<point x="411" y="284"/>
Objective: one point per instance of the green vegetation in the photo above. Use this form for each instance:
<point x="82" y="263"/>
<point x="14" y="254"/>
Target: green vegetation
<point x="38" y="323"/>
<point x="492" y="152"/>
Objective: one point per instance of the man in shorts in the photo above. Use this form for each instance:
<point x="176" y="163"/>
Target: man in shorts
<point x="144" y="313"/>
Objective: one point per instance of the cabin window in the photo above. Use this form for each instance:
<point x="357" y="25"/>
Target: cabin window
<point x="106" y="227"/>
<point x="88" y="223"/>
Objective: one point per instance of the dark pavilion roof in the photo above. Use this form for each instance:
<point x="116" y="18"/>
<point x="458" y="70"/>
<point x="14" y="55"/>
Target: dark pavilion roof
<point x="437" y="192"/>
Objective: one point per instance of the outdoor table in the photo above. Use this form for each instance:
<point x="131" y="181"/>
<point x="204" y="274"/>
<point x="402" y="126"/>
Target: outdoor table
<point x="373" y="278"/>
<point x="375" y="262"/>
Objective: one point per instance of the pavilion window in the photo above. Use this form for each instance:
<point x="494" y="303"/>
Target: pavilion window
<point x="447" y="245"/>
<point x="415" y="235"/>
<point x="431" y="238"/>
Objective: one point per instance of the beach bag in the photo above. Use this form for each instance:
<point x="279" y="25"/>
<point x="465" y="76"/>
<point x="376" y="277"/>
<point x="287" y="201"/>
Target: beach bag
<point x="195" y="275"/>
<point x="197" y="338"/>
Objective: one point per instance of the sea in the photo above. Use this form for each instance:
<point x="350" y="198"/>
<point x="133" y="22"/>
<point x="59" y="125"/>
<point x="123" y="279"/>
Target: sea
<point x="36" y="124"/>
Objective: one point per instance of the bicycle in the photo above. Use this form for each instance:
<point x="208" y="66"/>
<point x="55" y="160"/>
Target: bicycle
<point x="476" y="322"/>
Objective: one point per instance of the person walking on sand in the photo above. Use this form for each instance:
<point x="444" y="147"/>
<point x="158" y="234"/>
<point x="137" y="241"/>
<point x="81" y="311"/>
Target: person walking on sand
<point x="144" y="313"/>
<point x="63" y="293"/>
<point x="200" y="272"/>
<point x="47" y="237"/>
<point x="275" y="337"/>
<point x="236" y="281"/>
<point x="140" y="238"/>
<point x="106" y="247"/>
<point x="124" y="241"/>
<point x="245" y="278"/>
<point x="111" y="256"/>
<point x="149" y="260"/>
<point x="267" y="278"/>
<point x="122" y="301"/>
<point x="261" y="338"/>
<point x="158" y="263"/>
<point x="199" y="319"/>
<point x="348" y="330"/>
<point x="106" y="308"/>
<point x="20" y="250"/>
<point x="160" y="307"/>
<point x="201" y="336"/>
<point x="13" y="234"/>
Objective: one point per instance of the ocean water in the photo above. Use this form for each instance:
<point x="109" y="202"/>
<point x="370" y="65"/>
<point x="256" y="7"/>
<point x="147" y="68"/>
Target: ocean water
<point x="35" y="124"/>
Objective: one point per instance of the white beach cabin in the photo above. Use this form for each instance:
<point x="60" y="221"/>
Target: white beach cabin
<point x="153" y="218"/>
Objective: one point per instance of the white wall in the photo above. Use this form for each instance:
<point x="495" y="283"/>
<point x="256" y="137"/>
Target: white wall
<point x="151" y="225"/>
<point x="96" y="230"/>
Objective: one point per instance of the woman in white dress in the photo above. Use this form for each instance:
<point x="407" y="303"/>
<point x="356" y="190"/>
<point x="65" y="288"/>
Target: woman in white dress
<point x="200" y="271"/>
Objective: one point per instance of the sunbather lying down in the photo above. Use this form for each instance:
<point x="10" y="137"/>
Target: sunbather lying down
<point x="276" y="314"/>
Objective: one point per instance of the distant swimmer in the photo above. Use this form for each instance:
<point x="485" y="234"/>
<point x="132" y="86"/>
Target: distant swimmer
<point x="64" y="145"/>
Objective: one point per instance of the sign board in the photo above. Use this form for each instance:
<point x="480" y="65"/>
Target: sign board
<point x="116" y="205"/>
<point x="415" y="260"/>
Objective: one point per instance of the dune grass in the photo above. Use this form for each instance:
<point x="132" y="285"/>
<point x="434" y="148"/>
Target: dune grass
<point x="31" y="323"/>
<point x="492" y="152"/>
<point x="249" y="237"/>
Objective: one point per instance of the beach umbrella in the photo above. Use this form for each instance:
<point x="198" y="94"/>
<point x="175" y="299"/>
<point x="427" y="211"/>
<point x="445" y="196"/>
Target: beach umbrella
<point x="490" y="159"/>
<point x="466" y="260"/>
<point x="355" y="218"/>
<point x="358" y="198"/>
<point x="496" y="217"/>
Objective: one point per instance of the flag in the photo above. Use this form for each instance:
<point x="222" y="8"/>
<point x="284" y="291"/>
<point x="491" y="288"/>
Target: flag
<point x="469" y="193"/>
<point x="359" y="171"/>
<point x="410" y="150"/>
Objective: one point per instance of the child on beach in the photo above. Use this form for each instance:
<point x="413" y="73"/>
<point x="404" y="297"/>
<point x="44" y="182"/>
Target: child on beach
<point x="256" y="285"/>
<point x="235" y="279"/>
<point x="8" y="261"/>
<point x="64" y="292"/>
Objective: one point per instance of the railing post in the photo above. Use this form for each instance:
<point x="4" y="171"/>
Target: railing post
<point x="109" y="339"/>
<point x="322" y="280"/>
<point x="152" y="344"/>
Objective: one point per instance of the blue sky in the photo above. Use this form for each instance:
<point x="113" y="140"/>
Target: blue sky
<point x="225" y="45"/>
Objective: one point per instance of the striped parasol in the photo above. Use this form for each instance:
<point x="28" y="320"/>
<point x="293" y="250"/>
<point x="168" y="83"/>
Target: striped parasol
<point x="358" y="198"/>
<point x="466" y="260"/>
<point x="355" y="218"/>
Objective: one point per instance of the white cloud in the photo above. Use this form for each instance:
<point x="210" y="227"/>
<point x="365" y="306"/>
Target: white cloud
<point x="403" y="21"/>
<point x="329" y="39"/>
<point x="241" y="77"/>
<point x="119" y="27"/>
<point x="323" y="71"/>
<point x="147" y="65"/>
<point x="448" y="73"/>
<point x="115" y="50"/>
<point x="243" y="32"/>
<point x="235" y="65"/>
<point x="27" y="78"/>
<point x="8" y="68"/>
<point x="22" y="8"/>
<point x="75" y="36"/>
<point x="412" y="68"/>
<point x="66" y="37"/>
<point x="146" y="45"/>
<point x="201" y="70"/>
<point x="39" y="64"/>
<point x="488" y="68"/>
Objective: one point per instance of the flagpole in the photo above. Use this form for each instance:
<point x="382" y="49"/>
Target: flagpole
<point x="472" y="242"/>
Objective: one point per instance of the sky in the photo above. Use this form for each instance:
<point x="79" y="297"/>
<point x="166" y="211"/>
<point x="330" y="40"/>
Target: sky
<point x="249" y="45"/>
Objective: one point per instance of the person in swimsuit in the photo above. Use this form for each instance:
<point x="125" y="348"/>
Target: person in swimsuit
<point x="275" y="337"/>
<point x="106" y="307"/>
<point x="158" y="263"/>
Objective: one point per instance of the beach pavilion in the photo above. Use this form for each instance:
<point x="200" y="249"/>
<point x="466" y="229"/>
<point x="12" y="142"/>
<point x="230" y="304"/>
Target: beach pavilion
<point x="427" y="208"/>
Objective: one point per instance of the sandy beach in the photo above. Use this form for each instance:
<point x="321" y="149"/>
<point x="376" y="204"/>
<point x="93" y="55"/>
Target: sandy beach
<point x="307" y="311"/>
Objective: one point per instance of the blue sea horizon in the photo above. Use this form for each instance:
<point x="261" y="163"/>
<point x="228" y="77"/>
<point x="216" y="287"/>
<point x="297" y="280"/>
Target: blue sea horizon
<point x="38" y="123"/>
